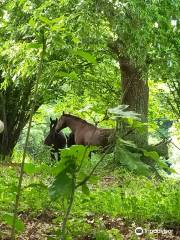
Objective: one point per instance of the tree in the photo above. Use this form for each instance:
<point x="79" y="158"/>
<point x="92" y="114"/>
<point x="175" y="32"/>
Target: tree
<point x="22" y="42"/>
<point x="137" y="29"/>
<point x="16" y="103"/>
<point x="18" y="73"/>
<point x="86" y="41"/>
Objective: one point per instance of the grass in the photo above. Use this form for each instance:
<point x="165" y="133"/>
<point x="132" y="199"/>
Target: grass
<point x="133" y="199"/>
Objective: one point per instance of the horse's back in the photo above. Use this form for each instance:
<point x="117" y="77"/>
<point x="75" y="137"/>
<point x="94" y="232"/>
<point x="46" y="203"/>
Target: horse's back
<point x="97" y="137"/>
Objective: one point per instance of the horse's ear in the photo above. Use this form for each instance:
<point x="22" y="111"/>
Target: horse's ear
<point x="51" y="120"/>
<point x="63" y="113"/>
<point x="56" y="120"/>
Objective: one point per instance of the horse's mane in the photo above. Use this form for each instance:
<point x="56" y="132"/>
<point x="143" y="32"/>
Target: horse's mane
<point x="78" y="118"/>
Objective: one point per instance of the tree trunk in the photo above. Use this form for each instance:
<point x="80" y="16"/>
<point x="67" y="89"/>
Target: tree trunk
<point x="135" y="93"/>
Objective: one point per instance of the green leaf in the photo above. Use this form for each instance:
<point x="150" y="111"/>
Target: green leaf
<point x="165" y="167"/>
<point x="34" y="45"/>
<point x="73" y="75"/>
<point x="93" y="179"/>
<point x="61" y="187"/>
<point x="8" y="219"/>
<point x="45" y="20"/>
<point x="58" y="27"/>
<point x="63" y="74"/>
<point x="129" y="159"/>
<point x="32" y="22"/>
<point x="58" y="20"/>
<point x="87" y="56"/>
<point x="152" y="154"/>
<point x="85" y="189"/>
<point x="76" y="152"/>
<point x="30" y="168"/>
<point x="120" y="112"/>
<point x="36" y="185"/>
<point x="155" y="156"/>
<point x="132" y="161"/>
<point x="127" y="143"/>
<point x="21" y="2"/>
<point x="75" y="40"/>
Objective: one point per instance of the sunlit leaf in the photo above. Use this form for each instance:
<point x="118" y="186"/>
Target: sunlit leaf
<point x="34" y="45"/>
<point x="45" y="20"/>
<point x="30" y="168"/>
<point x="154" y="155"/>
<point x="120" y="112"/>
<point x="87" y="56"/>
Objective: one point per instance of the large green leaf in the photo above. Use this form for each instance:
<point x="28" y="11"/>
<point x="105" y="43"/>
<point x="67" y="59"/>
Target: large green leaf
<point x="87" y="56"/>
<point x="61" y="187"/>
<point x="160" y="163"/>
<point x="132" y="161"/>
<point x="76" y="154"/>
<point x="121" y="112"/>
<point x="152" y="154"/>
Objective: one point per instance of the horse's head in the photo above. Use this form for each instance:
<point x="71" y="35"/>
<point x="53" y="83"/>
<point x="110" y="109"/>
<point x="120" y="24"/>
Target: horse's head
<point x="54" y="138"/>
<point x="53" y="124"/>
<point x="61" y="123"/>
<point x="49" y="140"/>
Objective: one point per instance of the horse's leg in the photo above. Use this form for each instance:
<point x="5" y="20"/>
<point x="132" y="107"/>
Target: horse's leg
<point x="52" y="154"/>
<point x="56" y="154"/>
<point x="59" y="155"/>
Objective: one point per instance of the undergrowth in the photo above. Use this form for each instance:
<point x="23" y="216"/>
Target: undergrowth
<point x="135" y="199"/>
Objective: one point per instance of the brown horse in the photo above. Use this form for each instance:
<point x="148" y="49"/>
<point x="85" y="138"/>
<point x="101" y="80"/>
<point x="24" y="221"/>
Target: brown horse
<point x="86" y="133"/>
<point x="70" y="140"/>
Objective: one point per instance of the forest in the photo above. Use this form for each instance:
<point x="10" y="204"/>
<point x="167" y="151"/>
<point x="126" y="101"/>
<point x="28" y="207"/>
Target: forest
<point x="89" y="119"/>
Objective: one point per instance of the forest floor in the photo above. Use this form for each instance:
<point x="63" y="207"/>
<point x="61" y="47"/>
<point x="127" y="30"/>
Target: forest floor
<point x="41" y="228"/>
<point x="43" y="225"/>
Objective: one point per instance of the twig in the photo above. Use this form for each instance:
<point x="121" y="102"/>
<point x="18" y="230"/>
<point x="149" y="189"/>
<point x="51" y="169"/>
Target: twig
<point x="165" y="138"/>
<point x="83" y="157"/>
<point x="94" y="168"/>
<point x="63" y="236"/>
<point x="26" y="141"/>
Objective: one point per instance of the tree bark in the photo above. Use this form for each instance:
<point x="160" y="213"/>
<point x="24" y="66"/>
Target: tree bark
<point x="135" y="94"/>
